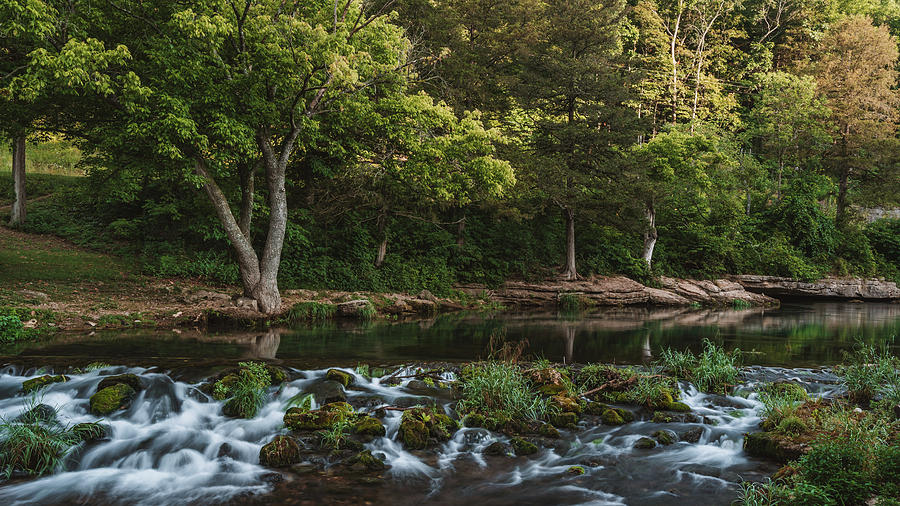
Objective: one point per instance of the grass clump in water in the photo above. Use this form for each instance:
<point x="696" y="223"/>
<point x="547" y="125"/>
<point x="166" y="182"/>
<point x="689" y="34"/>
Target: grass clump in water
<point x="34" y="444"/>
<point x="714" y="370"/>
<point x="871" y="373"/>
<point x="248" y="390"/>
<point x="569" y="302"/>
<point x="500" y="388"/>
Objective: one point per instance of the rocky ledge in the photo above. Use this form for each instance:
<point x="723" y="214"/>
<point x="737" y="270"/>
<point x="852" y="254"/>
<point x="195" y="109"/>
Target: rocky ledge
<point x="621" y="291"/>
<point x="827" y="288"/>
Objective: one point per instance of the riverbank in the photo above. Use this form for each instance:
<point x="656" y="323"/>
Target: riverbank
<point x="57" y="286"/>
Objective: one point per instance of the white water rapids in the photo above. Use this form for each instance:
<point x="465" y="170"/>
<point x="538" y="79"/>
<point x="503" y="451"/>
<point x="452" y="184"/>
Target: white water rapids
<point x="167" y="448"/>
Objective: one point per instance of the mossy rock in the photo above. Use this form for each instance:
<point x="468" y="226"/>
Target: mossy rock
<point x="41" y="413"/>
<point x="233" y="408"/>
<point x="522" y="447"/>
<point x="112" y="398"/>
<point x="566" y="403"/>
<point x="595" y="408"/>
<point x="131" y="380"/>
<point x="475" y="420"/>
<point x="679" y="407"/>
<point x="666" y="437"/>
<point x="665" y="400"/>
<point x="42" y="381"/>
<point x="692" y="435"/>
<point x="645" y="443"/>
<point x="564" y="420"/>
<point x="612" y="417"/>
<point x="548" y="430"/>
<point x="660" y="417"/>
<point x="282" y="451"/>
<point x="551" y="389"/>
<point x="369" y="426"/>
<point x="87" y="432"/>
<point x="774" y="447"/>
<point x="302" y="420"/>
<point x="220" y="393"/>
<point x="497" y="449"/>
<point x="342" y="377"/>
<point x="422" y="427"/>
<point x="365" y="462"/>
<point x="277" y="375"/>
<point x="626" y="415"/>
<point x="792" y="425"/>
<point x="575" y="470"/>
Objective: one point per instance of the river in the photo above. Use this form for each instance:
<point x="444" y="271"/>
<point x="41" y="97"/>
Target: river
<point x="174" y="445"/>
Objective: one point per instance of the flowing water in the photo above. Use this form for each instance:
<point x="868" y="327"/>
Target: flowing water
<point x="174" y="445"/>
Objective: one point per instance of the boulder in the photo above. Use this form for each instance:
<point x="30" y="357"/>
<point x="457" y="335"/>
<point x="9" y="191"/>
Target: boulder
<point x="369" y="426"/>
<point x="282" y="451"/>
<point x="40" y="382"/>
<point x="129" y="379"/>
<point x="828" y="288"/>
<point x="497" y="449"/>
<point x="112" y="398"/>
<point x="423" y="427"/>
<point x="365" y="462"/>
<point x="327" y="392"/>
<point x="665" y="437"/>
<point x="522" y="447"/>
<point x="301" y="420"/>
<point x="773" y="446"/>
<point x="353" y="307"/>
<point x="692" y="435"/>
<point x="645" y="443"/>
<point x="342" y="377"/>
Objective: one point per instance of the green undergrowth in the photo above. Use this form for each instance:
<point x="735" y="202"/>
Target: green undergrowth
<point x="498" y="388"/>
<point x="846" y="450"/>
<point x="245" y="391"/>
<point x="713" y="370"/>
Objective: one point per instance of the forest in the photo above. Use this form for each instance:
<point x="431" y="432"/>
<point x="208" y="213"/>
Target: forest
<point x="413" y="144"/>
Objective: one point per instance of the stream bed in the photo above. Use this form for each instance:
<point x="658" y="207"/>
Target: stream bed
<point x="174" y="445"/>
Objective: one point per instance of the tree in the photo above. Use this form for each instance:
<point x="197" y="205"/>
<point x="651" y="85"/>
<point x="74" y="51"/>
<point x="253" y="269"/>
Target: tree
<point x="680" y="172"/>
<point x="575" y="98"/>
<point x="855" y="70"/>
<point x="788" y="121"/>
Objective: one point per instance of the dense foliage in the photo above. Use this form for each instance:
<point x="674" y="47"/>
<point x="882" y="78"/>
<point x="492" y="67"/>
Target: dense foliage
<point x="408" y="145"/>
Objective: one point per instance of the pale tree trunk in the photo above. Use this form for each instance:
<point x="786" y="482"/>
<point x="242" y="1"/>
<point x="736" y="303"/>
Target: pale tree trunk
<point x="382" y="232"/>
<point x="672" y="46"/>
<point x="17" y="216"/>
<point x="570" y="272"/>
<point x="701" y="45"/>
<point x="650" y="235"/>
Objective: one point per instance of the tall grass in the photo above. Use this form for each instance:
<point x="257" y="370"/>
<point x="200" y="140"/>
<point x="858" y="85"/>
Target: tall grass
<point x="35" y="445"/>
<point x="871" y="372"/>
<point x="714" y="370"/>
<point x="500" y="388"/>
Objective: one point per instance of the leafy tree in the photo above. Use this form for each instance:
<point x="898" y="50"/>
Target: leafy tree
<point x="575" y="100"/>
<point x="855" y="70"/>
<point x="788" y="121"/>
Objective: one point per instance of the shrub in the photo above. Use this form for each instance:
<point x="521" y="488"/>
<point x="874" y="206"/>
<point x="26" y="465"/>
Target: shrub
<point x="500" y="388"/>
<point x="11" y="328"/>
<point x="569" y="302"/>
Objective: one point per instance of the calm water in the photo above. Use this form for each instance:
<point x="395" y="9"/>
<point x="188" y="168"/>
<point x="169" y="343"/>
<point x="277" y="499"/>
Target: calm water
<point x="795" y="335"/>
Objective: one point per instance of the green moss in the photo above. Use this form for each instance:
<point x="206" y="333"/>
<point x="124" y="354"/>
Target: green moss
<point x="282" y="451"/>
<point x="276" y="374"/>
<point x="112" y="398"/>
<point x="223" y="387"/>
<point x="548" y="430"/>
<point x="612" y="417"/>
<point x="660" y="417"/>
<point x="365" y="462"/>
<point x="304" y="420"/>
<point x="678" y="406"/>
<point x="576" y="470"/>
<point x="565" y="420"/>
<point x="595" y="408"/>
<point x="665" y="437"/>
<point x="645" y="443"/>
<point x="129" y="379"/>
<point x="791" y="425"/>
<point x="565" y="403"/>
<point x="40" y="382"/>
<point x="369" y="426"/>
<point x="421" y="427"/>
<point x="475" y="420"/>
<point x="340" y="376"/>
<point x="523" y="447"/>
<point x="773" y="446"/>
<point x="786" y="389"/>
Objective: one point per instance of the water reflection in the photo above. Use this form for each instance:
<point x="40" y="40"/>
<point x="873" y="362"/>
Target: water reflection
<point x="794" y="335"/>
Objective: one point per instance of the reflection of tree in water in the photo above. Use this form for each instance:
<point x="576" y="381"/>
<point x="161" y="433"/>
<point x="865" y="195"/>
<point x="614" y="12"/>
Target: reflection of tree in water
<point x="646" y="352"/>
<point x="265" y="345"/>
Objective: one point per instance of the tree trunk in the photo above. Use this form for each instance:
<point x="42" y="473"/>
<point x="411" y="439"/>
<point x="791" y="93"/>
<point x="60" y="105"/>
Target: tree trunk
<point x="570" y="273"/>
<point x="248" y="183"/>
<point x="674" y="41"/>
<point x="460" y="231"/>
<point x="382" y="231"/>
<point x="17" y="216"/>
<point x="650" y="235"/>
<point x="841" y="212"/>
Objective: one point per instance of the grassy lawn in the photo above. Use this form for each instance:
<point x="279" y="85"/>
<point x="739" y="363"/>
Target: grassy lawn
<point x="54" y="267"/>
